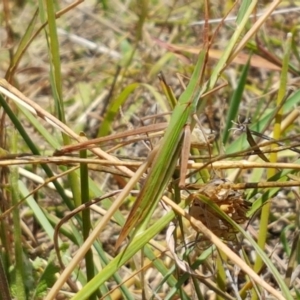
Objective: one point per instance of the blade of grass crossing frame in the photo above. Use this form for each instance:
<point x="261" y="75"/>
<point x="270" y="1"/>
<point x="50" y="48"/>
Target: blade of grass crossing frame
<point x="56" y="85"/>
<point x="235" y="100"/>
<point x="21" y="48"/>
<point x="243" y="10"/>
<point x="86" y="220"/>
<point x="166" y="157"/>
<point x="34" y="150"/>
<point x="113" y="109"/>
<point x="231" y="44"/>
<point x="265" y="212"/>
<point x="159" y="265"/>
<point x="55" y="61"/>
<point x="137" y="243"/>
<point x="282" y="92"/>
<point x="114" y="106"/>
<point x="19" y="273"/>
<point x="49" y="137"/>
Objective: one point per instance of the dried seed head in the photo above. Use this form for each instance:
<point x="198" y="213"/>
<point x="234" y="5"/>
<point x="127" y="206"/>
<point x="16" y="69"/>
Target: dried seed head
<point x="230" y="202"/>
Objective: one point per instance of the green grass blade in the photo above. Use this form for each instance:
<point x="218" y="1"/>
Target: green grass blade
<point x="167" y="154"/>
<point x="46" y="135"/>
<point x="86" y="219"/>
<point x="116" y="104"/>
<point x="105" y="260"/>
<point x="241" y="142"/>
<point x="199" y="261"/>
<point x="34" y="149"/>
<point x="243" y="19"/>
<point x="265" y="212"/>
<point x="21" y="47"/>
<point x="113" y="109"/>
<point x="37" y="211"/>
<point x="55" y="64"/>
<point x="56" y="85"/>
<point x="137" y="243"/>
<point x="243" y="11"/>
<point x="279" y="177"/>
<point x="19" y="271"/>
<point x="235" y="101"/>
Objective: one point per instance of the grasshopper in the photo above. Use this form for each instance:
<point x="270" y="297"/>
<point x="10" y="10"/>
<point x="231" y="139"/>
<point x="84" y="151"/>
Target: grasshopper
<point x="165" y="159"/>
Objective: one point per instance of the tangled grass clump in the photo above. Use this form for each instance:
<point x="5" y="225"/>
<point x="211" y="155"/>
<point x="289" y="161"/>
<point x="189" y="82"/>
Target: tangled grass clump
<point x="98" y="134"/>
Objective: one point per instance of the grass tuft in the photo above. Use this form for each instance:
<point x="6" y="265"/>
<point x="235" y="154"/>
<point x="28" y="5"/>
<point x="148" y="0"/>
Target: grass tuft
<point x="149" y="149"/>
